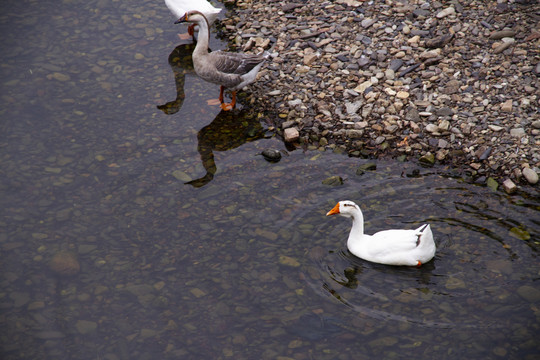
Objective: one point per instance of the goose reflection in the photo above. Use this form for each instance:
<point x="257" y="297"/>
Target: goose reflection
<point x="181" y="64"/>
<point x="229" y="130"/>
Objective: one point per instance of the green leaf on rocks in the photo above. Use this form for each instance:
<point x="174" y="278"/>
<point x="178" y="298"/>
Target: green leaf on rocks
<point x="492" y="183"/>
<point x="519" y="233"/>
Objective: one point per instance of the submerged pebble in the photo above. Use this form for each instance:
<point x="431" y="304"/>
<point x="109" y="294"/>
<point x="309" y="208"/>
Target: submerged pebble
<point x="64" y="263"/>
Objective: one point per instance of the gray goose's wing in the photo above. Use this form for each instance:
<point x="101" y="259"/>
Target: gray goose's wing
<point x="236" y="63"/>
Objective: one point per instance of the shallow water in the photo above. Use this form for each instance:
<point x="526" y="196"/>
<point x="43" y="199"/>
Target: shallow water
<point x="191" y="246"/>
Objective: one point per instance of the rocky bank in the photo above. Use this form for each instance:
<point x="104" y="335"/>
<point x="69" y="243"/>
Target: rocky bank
<point x="450" y="82"/>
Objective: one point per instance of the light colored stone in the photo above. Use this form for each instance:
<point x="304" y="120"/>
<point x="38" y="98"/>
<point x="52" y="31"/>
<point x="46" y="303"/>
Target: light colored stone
<point x="530" y="175"/>
<point x="432" y="128"/>
<point x="291" y="135"/>
<point x="430" y="54"/>
<point x="310" y="58"/>
<point x="506" y="106"/>
<point x="509" y="186"/>
<point x="517" y="132"/>
<point x="367" y="22"/>
<point x="414" y="39"/>
<point x="448" y="11"/>
<point x="495" y="127"/>
<point x="390" y="91"/>
<point x="402" y="94"/>
<point x="362" y="87"/>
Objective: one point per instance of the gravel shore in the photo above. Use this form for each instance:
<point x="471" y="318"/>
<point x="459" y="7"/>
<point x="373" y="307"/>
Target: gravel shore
<point x="452" y="82"/>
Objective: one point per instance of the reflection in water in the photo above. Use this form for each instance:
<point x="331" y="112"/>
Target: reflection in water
<point x="229" y="130"/>
<point x="181" y="64"/>
<point x="348" y="280"/>
<point x="226" y="132"/>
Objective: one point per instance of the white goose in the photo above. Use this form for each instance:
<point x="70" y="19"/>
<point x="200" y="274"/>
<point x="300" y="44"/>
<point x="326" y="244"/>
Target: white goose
<point x="180" y="7"/>
<point x="391" y="247"/>
<point x="231" y="71"/>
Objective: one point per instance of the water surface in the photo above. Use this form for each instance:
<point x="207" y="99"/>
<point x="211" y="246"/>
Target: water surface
<point x="190" y="245"/>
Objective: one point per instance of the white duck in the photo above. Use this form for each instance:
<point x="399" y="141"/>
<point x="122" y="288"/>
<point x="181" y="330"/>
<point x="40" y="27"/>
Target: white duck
<point x="180" y="7"/>
<point x="231" y="71"/>
<point x="391" y="247"/>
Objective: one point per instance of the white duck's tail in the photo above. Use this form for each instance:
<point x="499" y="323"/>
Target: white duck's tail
<point x="424" y="229"/>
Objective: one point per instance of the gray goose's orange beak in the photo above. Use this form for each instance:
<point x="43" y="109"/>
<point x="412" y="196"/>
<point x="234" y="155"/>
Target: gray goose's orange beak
<point x="182" y="19"/>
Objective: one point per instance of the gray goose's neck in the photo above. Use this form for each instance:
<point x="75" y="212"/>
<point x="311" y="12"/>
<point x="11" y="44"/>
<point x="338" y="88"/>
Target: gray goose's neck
<point x="204" y="36"/>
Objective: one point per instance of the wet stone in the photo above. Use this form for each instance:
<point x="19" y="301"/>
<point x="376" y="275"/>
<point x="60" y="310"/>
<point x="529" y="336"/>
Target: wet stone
<point x="65" y="263"/>
<point x="454" y="283"/>
<point x="19" y="298"/>
<point x="271" y="155"/>
<point x="333" y="180"/>
<point x="361" y="170"/>
<point x="529" y="293"/>
<point x="427" y="159"/>
<point x="85" y="326"/>
<point x="288" y="261"/>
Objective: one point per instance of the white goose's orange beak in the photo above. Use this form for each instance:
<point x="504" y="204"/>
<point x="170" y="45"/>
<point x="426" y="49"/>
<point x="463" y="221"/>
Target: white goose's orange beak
<point x="335" y="210"/>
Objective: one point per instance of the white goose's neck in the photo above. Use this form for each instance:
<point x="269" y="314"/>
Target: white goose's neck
<point x="357" y="229"/>
<point x="204" y="37"/>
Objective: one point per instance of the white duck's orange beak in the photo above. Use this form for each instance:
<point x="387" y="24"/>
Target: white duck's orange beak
<point x="335" y="210"/>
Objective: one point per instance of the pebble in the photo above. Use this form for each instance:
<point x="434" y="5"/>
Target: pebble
<point x="65" y="263"/>
<point x="432" y="128"/>
<point x="506" y="106"/>
<point x="517" y="132"/>
<point x="530" y="175"/>
<point x="497" y="35"/>
<point x="367" y="23"/>
<point x="402" y="94"/>
<point x="85" y="326"/>
<point x="446" y="12"/>
<point x="509" y="186"/>
<point x="529" y="293"/>
<point x="291" y="135"/>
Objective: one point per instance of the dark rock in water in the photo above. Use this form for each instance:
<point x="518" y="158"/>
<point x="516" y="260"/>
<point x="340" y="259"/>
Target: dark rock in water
<point x="414" y="173"/>
<point x="333" y="180"/>
<point x="427" y="160"/>
<point x="366" y="167"/>
<point x="271" y="155"/>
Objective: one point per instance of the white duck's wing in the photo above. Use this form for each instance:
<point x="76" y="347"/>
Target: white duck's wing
<point x="401" y="247"/>
<point x="389" y="241"/>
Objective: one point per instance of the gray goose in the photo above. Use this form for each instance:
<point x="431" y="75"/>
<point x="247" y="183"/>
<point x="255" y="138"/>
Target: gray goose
<point x="231" y="71"/>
